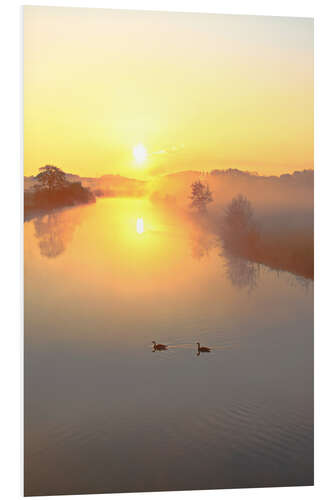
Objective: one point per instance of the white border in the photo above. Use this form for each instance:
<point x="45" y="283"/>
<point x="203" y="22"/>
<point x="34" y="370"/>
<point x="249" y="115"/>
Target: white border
<point x="11" y="247"/>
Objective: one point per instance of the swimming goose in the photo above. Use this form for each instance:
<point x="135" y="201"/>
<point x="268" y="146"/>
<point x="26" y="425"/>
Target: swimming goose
<point x="202" y="349"/>
<point x="159" y="347"/>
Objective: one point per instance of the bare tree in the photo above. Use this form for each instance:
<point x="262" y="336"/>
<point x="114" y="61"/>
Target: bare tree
<point x="239" y="231"/>
<point x="51" y="177"/>
<point x="201" y="195"/>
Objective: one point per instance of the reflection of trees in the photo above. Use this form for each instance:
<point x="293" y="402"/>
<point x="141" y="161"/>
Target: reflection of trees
<point x="295" y="281"/>
<point x="54" y="231"/>
<point x="202" y="243"/>
<point x="241" y="272"/>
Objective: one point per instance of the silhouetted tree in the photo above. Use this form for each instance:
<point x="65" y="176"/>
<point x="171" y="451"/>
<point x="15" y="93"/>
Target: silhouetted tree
<point x="239" y="231"/>
<point x="53" y="190"/>
<point x="51" y="177"/>
<point x="201" y="195"/>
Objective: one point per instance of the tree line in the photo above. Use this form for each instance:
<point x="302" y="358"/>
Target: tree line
<point x="240" y="236"/>
<point x="53" y="190"/>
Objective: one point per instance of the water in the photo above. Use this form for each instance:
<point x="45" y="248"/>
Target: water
<point x="103" y="413"/>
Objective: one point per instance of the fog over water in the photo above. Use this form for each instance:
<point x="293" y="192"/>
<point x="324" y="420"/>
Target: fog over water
<point x="104" y="413"/>
<point x="168" y="200"/>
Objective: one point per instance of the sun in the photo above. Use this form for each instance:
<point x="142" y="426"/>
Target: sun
<point x="140" y="153"/>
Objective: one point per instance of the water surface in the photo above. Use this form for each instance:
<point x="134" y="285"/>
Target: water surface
<point x="103" y="413"/>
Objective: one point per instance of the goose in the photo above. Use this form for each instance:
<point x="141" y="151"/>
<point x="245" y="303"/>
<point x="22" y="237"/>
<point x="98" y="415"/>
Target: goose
<point x="202" y="349"/>
<point x="159" y="347"/>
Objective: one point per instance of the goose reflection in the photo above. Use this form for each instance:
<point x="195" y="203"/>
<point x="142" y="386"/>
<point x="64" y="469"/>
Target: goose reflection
<point x="159" y="347"/>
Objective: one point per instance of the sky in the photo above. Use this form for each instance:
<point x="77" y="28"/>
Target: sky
<point x="194" y="91"/>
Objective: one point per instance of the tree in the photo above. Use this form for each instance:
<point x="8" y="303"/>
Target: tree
<point x="201" y="195"/>
<point x="51" y="178"/>
<point x="239" y="231"/>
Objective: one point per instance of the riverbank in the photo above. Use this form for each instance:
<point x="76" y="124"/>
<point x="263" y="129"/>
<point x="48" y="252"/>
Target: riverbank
<point x="42" y="201"/>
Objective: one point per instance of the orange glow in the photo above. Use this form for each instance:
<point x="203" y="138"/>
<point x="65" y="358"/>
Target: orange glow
<point x="237" y="91"/>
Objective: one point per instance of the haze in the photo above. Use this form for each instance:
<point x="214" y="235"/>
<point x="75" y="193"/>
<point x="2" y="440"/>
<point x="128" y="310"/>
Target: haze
<point x="198" y="91"/>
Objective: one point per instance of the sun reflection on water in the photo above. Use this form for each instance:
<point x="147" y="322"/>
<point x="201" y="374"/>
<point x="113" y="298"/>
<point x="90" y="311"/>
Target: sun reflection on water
<point x="139" y="225"/>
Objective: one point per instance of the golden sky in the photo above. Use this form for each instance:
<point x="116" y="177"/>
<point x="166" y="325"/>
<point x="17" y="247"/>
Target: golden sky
<point x="198" y="91"/>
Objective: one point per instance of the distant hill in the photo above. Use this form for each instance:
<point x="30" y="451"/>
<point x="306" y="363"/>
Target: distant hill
<point x="106" y="185"/>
